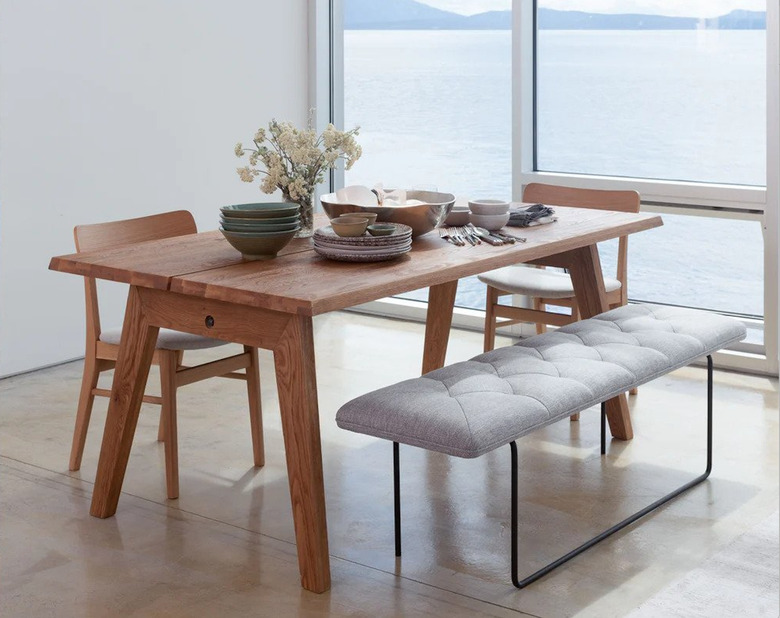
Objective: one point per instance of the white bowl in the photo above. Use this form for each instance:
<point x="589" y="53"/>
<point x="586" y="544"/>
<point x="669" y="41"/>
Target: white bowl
<point x="458" y="216"/>
<point x="489" y="222"/>
<point x="488" y="207"/>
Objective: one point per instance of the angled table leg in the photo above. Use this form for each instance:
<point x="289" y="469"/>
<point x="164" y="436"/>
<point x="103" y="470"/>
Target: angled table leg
<point x="297" y="386"/>
<point x="585" y="270"/>
<point x="136" y="350"/>
<point x="441" y="300"/>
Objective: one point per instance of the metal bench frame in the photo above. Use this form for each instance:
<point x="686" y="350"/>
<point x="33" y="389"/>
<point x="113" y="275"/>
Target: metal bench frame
<point x="522" y="583"/>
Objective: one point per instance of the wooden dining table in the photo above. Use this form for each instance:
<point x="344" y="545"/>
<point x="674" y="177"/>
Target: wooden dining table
<point x="200" y="284"/>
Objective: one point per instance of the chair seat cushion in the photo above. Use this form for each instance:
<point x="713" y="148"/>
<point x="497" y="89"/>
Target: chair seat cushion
<point x="170" y="340"/>
<point x="470" y="408"/>
<point x="537" y="282"/>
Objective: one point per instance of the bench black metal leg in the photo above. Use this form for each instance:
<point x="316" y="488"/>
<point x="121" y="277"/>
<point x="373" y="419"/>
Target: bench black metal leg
<point x="397" y="498"/>
<point x="626" y="522"/>
<point x="603" y="427"/>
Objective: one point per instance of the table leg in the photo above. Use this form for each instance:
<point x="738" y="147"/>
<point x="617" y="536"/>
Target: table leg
<point x="441" y="300"/>
<point x="297" y="387"/>
<point x="585" y="270"/>
<point x="136" y="350"/>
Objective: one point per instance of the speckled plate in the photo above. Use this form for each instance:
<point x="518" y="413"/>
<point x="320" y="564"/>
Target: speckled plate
<point x="341" y="255"/>
<point x="400" y="242"/>
<point x="364" y="250"/>
<point x="327" y="235"/>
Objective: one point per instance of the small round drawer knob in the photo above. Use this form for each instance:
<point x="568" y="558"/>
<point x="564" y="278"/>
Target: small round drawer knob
<point x="209" y="321"/>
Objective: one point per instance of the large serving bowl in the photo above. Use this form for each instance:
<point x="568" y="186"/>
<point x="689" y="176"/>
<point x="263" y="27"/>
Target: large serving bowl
<point x="422" y="218"/>
<point x="258" y="246"/>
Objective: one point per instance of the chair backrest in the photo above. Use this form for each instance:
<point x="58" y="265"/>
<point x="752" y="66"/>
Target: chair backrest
<point x="601" y="199"/>
<point x="117" y="233"/>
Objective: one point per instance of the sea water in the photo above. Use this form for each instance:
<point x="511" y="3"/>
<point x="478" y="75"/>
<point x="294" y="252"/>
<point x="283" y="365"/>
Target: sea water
<point x="435" y="108"/>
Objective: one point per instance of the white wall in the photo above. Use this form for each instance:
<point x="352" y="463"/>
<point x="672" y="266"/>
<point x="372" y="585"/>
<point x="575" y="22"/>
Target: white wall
<point x="110" y="110"/>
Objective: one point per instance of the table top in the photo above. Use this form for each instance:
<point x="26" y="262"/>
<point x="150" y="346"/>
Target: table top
<point x="300" y="281"/>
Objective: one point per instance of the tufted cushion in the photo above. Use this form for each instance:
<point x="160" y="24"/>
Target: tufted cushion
<point x="470" y="408"/>
<point x="539" y="282"/>
<point x="170" y="340"/>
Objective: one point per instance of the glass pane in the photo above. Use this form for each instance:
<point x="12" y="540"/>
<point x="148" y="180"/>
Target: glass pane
<point x="685" y="100"/>
<point x="699" y="262"/>
<point x="434" y="110"/>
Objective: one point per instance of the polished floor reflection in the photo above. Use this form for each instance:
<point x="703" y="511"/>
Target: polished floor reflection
<point x="225" y="547"/>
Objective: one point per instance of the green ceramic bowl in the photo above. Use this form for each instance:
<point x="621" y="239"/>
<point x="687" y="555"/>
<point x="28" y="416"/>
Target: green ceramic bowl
<point x="258" y="247"/>
<point x="251" y="222"/>
<point x="284" y="227"/>
<point x="381" y="229"/>
<point x="371" y="216"/>
<point x="349" y="226"/>
<point x="263" y="234"/>
<point x="264" y="210"/>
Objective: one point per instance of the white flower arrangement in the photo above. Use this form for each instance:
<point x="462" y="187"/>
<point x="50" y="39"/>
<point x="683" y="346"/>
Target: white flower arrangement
<point x="295" y="160"/>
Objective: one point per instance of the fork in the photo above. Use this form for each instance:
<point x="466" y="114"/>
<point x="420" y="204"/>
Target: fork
<point x="458" y="236"/>
<point x="444" y="232"/>
<point x="463" y="234"/>
<point x="471" y="236"/>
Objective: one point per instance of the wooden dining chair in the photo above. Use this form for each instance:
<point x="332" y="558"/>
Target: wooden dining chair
<point x="103" y="347"/>
<point x="548" y="287"/>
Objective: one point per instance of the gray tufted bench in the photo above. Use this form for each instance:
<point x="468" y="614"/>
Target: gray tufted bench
<point x="471" y="408"/>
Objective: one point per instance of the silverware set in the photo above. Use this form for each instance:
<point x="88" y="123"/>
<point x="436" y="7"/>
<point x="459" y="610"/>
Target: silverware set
<point x="473" y="235"/>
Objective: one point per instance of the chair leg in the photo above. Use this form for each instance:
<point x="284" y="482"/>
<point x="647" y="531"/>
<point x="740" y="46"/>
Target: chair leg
<point x="539" y="306"/>
<point x="490" y="318"/>
<point x="255" y="409"/>
<point x="617" y="527"/>
<point x="168" y="363"/>
<point x="161" y="429"/>
<point x="86" y="399"/>
<point x="161" y="425"/>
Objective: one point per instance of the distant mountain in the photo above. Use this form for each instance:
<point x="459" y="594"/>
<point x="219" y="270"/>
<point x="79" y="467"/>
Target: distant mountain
<point x="740" y="20"/>
<point x="411" y="15"/>
<point x="549" y="19"/>
<point x="398" y="15"/>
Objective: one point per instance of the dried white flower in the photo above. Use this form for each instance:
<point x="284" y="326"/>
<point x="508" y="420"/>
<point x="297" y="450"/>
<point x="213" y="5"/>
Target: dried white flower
<point x="247" y="174"/>
<point x="295" y="160"/>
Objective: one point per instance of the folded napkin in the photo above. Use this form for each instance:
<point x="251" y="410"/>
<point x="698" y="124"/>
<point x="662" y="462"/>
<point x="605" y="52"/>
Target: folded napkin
<point x="538" y="214"/>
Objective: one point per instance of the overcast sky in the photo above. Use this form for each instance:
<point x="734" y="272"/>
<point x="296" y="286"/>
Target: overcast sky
<point x="687" y="8"/>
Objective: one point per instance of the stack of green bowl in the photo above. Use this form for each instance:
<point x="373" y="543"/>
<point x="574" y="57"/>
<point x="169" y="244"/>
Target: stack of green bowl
<point x="260" y="231"/>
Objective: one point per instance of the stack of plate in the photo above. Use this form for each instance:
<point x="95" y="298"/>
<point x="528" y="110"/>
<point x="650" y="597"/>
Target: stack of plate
<point x="364" y="248"/>
<point x="259" y="231"/>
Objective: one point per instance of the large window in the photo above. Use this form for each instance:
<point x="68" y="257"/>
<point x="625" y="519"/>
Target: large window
<point x="663" y="96"/>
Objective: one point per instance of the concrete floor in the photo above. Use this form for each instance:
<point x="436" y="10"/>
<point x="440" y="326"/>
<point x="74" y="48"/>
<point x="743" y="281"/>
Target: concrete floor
<point x="226" y="546"/>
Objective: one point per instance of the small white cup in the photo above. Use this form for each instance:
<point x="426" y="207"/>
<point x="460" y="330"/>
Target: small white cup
<point x="488" y="207"/>
<point x="490" y="222"/>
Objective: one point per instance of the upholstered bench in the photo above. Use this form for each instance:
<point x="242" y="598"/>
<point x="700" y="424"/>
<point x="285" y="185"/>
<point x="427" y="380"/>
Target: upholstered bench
<point x="471" y="408"/>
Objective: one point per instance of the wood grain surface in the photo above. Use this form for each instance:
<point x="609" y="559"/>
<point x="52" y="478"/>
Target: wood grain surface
<point x="132" y="369"/>
<point x="300" y="281"/>
<point x="308" y="284"/>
